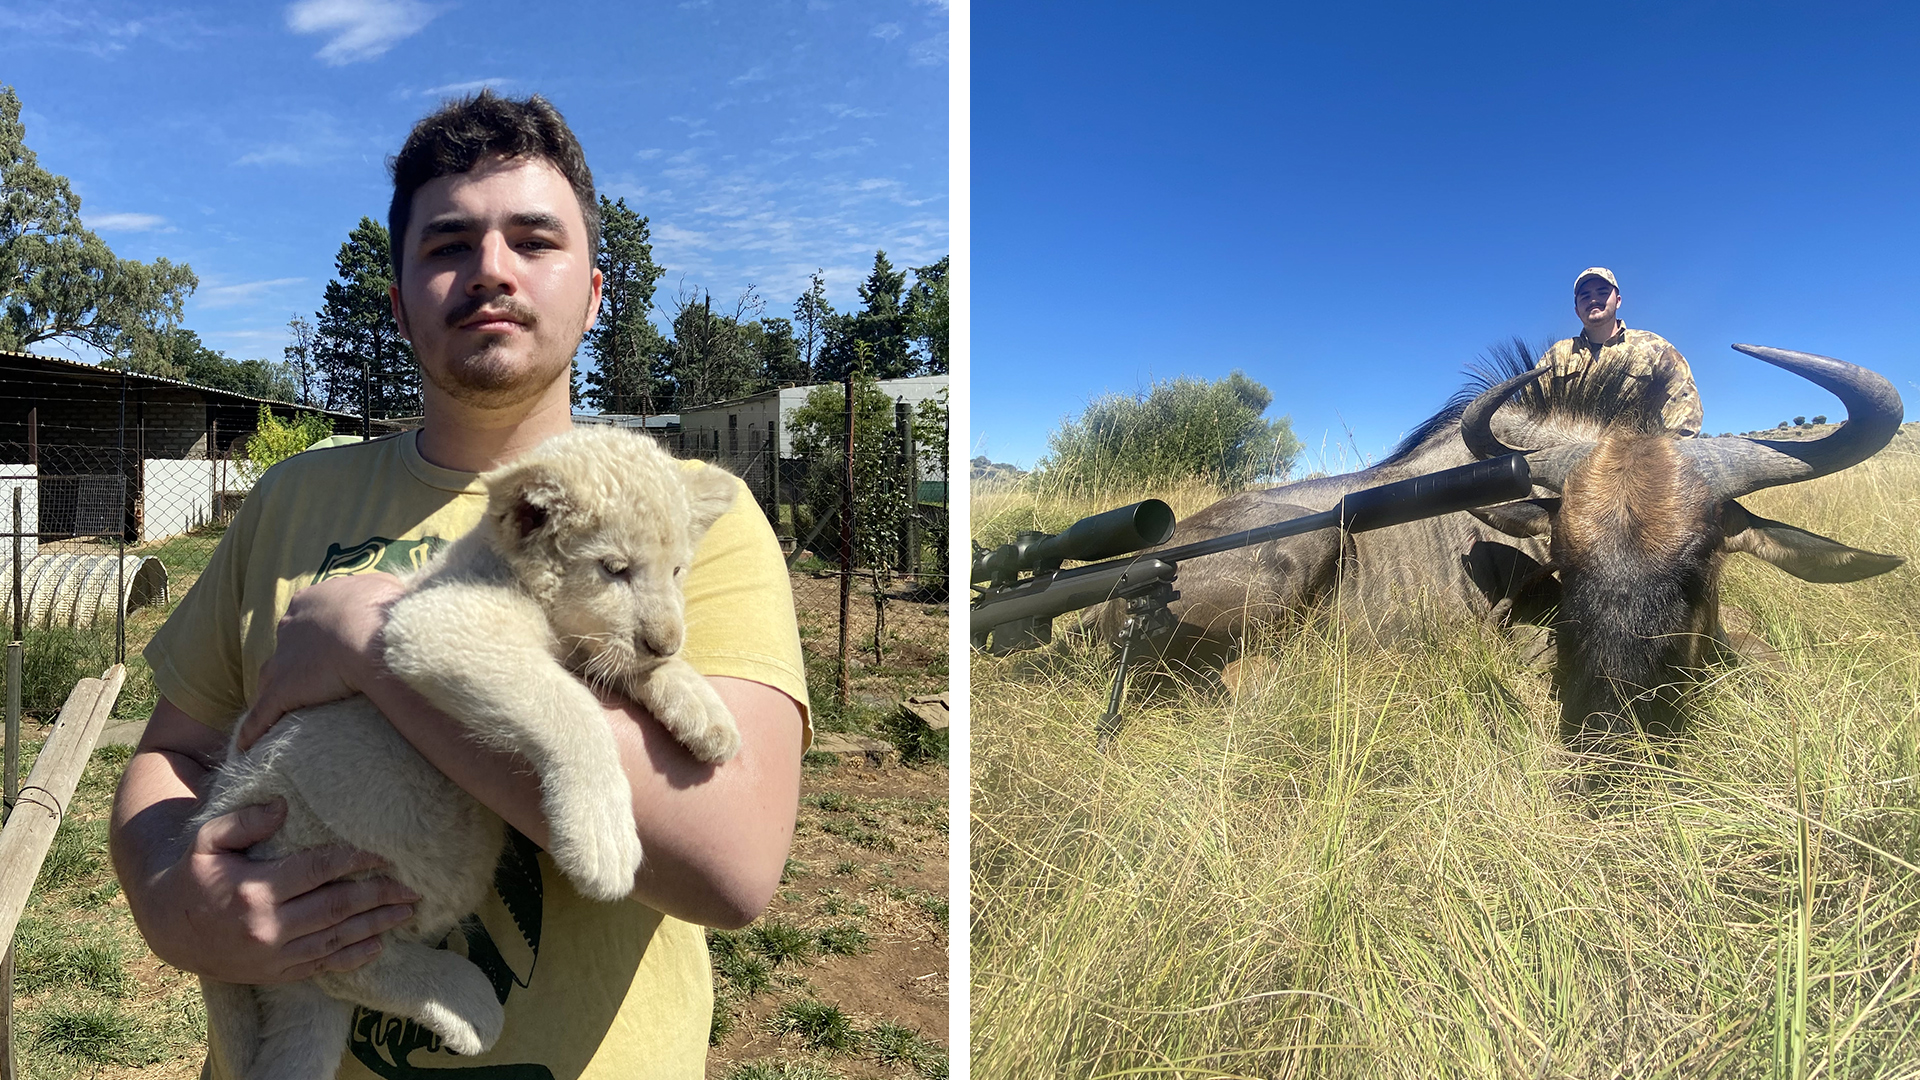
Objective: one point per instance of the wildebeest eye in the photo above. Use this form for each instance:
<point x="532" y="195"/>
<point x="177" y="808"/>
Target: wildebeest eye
<point x="615" y="568"/>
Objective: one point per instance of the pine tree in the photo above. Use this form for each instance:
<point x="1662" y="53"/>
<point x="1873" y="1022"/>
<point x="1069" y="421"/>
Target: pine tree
<point x="357" y="346"/>
<point x="624" y="342"/>
<point x="926" y="316"/>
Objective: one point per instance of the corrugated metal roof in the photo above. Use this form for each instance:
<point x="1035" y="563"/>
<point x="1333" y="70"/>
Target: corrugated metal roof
<point x="54" y="365"/>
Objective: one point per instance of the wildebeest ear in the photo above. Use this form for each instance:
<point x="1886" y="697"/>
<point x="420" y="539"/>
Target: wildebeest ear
<point x="710" y="491"/>
<point x="1807" y="556"/>
<point x="1524" y="519"/>
<point x="524" y="500"/>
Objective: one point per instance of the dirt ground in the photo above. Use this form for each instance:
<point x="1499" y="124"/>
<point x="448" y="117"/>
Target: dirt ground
<point x="844" y="976"/>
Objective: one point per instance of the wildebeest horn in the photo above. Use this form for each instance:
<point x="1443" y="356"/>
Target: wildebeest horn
<point x="1476" y="423"/>
<point x="1549" y="465"/>
<point x="1734" y="465"/>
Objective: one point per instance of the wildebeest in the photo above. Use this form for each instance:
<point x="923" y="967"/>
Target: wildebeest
<point x="1639" y="522"/>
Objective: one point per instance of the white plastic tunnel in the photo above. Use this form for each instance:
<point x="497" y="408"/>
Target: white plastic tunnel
<point x="74" y="590"/>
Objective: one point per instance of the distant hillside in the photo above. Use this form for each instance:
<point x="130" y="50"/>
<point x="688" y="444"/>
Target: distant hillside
<point x="1906" y="442"/>
<point x="994" y="472"/>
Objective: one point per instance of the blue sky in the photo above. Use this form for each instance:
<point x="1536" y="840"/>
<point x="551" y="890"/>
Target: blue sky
<point x="1350" y="202"/>
<point x="763" y="139"/>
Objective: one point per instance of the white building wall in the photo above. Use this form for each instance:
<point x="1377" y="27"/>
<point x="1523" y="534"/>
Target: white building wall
<point x="24" y="478"/>
<point x="184" y="495"/>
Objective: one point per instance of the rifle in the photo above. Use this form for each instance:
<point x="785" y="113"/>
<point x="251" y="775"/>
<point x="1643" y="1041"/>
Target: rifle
<point x="1010" y="614"/>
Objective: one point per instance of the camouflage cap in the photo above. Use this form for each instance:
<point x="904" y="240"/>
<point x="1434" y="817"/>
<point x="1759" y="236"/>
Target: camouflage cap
<point x="1599" y="272"/>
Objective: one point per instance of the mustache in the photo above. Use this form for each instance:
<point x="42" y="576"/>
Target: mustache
<point x="511" y="307"/>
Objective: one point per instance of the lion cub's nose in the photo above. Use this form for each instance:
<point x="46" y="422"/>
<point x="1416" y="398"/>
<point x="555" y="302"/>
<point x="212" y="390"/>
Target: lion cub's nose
<point x="660" y="645"/>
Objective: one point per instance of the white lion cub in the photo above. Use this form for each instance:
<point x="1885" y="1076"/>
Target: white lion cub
<point x="573" y="577"/>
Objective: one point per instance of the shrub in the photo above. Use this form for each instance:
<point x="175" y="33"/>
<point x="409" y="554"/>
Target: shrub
<point x="274" y="440"/>
<point x="1179" y="429"/>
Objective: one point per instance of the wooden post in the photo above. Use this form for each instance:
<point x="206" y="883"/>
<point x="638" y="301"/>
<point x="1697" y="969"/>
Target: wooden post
<point x="846" y="544"/>
<point x="14" y="653"/>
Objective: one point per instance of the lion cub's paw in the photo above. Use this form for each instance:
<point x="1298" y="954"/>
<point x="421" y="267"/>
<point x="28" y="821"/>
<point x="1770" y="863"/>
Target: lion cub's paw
<point x="683" y="700"/>
<point x="595" y="845"/>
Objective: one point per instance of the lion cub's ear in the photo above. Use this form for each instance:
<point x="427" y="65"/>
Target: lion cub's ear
<point x="523" y="500"/>
<point x="710" y="491"/>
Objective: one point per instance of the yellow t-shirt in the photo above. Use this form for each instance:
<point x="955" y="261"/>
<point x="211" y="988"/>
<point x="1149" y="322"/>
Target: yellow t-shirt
<point x="592" y="990"/>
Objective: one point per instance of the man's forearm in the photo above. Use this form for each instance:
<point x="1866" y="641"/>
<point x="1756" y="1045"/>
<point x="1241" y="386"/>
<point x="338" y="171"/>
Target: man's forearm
<point x="158" y="793"/>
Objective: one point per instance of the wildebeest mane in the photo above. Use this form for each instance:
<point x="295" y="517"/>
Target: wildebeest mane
<point x="1502" y="361"/>
<point x="1565" y="409"/>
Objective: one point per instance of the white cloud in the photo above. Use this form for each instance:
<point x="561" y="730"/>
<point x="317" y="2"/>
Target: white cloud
<point x="87" y="28"/>
<point x="931" y="52"/>
<point x="126" y="223"/>
<point x="221" y="296"/>
<point x="850" y="112"/>
<point x="315" y="138"/>
<point x="360" y="29"/>
<point x="460" y="88"/>
<point x="649" y="153"/>
<point x="756" y="73"/>
<point x="887" y="31"/>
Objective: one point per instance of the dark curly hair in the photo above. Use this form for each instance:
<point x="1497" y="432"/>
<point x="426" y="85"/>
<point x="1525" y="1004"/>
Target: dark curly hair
<point x="463" y="132"/>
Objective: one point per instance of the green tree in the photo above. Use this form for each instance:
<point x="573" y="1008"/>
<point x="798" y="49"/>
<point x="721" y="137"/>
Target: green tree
<point x="710" y="357"/>
<point x="877" y="332"/>
<point x="274" y="440"/>
<point x="179" y="353"/>
<point x="356" y="329"/>
<point x="60" y="281"/>
<point x="811" y="317"/>
<point x="881" y="501"/>
<point x="1181" y="428"/>
<point x="926" y="316"/>
<point x="624" y="342"/>
<point x="778" y="353"/>
<point x="302" y="363"/>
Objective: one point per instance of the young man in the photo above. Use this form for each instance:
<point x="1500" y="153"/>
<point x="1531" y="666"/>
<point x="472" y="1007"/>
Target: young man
<point x="1606" y="348"/>
<point x="495" y="226"/>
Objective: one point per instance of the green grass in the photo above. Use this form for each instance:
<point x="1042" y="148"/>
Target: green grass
<point x="843" y="939"/>
<point x="780" y="1069"/>
<point x="780" y="942"/>
<point x="93" y="1034"/>
<point x="1369" y="864"/>
<point x="818" y="1025"/>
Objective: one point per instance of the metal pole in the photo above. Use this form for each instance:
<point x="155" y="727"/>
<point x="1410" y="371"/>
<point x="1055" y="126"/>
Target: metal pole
<point x="846" y="544"/>
<point x="910" y="468"/>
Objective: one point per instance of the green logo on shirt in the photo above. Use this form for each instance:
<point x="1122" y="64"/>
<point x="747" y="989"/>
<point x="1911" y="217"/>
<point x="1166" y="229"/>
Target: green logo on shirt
<point x="377" y="554"/>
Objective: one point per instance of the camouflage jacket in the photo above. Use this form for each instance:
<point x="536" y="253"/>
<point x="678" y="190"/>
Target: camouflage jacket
<point x="1637" y="355"/>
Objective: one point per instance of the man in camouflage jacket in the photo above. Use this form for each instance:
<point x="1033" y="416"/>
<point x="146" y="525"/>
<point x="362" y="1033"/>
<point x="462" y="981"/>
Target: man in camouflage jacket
<point x="1607" y="345"/>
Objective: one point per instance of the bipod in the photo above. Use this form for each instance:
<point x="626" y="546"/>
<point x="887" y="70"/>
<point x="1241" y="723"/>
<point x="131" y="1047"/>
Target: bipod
<point x="1147" y="616"/>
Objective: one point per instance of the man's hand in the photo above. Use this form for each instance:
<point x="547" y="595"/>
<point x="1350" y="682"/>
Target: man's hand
<point x="326" y="648"/>
<point x="204" y="906"/>
<point x="277" y="921"/>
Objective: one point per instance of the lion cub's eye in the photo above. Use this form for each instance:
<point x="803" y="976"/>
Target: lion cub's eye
<point x="679" y="572"/>
<point x="615" y="568"/>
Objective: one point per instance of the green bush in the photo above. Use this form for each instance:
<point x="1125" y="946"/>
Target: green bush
<point x="1180" y="429"/>
<point x="274" y="440"/>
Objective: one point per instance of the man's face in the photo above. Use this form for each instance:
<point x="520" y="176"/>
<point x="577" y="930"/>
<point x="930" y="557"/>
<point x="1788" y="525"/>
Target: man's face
<point x="1595" y="301"/>
<point x="496" y="283"/>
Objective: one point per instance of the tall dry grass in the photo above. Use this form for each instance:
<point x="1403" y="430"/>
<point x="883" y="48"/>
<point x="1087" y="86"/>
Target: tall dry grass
<point x="1372" y="864"/>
